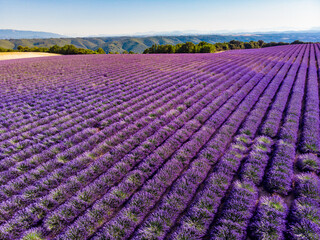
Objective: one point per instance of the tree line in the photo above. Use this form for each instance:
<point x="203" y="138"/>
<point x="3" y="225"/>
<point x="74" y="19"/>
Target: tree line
<point x="204" y="47"/>
<point x="188" y="47"/>
<point x="65" y="50"/>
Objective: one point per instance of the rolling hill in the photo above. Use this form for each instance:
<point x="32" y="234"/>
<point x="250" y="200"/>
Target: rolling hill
<point x="138" y="44"/>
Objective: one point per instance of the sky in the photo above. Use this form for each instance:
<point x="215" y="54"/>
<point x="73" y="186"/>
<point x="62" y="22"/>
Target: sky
<point x="120" y="17"/>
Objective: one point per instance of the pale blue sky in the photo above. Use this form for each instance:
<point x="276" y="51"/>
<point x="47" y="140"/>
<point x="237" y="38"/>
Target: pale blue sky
<point x="93" y="17"/>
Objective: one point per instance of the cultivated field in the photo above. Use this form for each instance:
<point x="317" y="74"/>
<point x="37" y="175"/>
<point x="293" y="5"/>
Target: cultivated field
<point x="178" y="146"/>
<point x="17" y="55"/>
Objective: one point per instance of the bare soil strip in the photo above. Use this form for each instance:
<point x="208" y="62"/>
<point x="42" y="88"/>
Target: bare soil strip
<point x="17" y="55"/>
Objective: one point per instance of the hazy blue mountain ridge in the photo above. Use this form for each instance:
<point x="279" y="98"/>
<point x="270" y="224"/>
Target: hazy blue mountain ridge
<point x="137" y="44"/>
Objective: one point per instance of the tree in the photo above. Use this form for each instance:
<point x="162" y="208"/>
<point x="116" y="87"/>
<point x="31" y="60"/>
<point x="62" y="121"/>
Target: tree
<point x="100" y="51"/>
<point x="187" y="47"/>
<point x="69" y="49"/>
<point x="234" y="44"/>
<point x="209" y="48"/>
<point x="297" y="42"/>
<point x="222" y="46"/>
<point x="23" y="49"/>
<point x="170" y="49"/>
<point x="55" y="49"/>
<point x="261" y="43"/>
<point x="202" y="43"/>
<point x="247" y="45"/>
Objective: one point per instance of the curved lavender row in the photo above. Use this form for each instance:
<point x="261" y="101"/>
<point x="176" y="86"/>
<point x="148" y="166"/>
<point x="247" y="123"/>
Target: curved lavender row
<point x="236" y="212"/>
<point x="310" y="141"/>
<point x="269" y="220"/>
<point x="279" y="176"/>
<point x="290" y="128"/>
<point x="196" y="222"/>
<point x="159" y="222"/>
<point x="308" y="162"/>
<point x="272" y="122"/>
<point x="254" y="166"/>
<point x="304" y="218"/>
<point x="243" y="111"/>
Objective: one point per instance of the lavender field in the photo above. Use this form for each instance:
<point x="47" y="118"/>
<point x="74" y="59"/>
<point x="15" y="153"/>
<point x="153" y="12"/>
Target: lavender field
<point x="178" y="146"/>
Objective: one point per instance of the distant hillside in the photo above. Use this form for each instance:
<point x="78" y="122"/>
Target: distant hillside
<point x="139" y="44"/>
<point x="17" y="34"/>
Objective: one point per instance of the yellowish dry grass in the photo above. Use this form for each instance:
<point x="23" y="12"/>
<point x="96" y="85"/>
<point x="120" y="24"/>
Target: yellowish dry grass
<point x="16" y="55"/>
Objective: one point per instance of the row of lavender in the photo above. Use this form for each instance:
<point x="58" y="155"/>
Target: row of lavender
<point x="167" y="147"/>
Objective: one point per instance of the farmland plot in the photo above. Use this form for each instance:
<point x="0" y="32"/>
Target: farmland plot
<point x="179" y="146"/>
